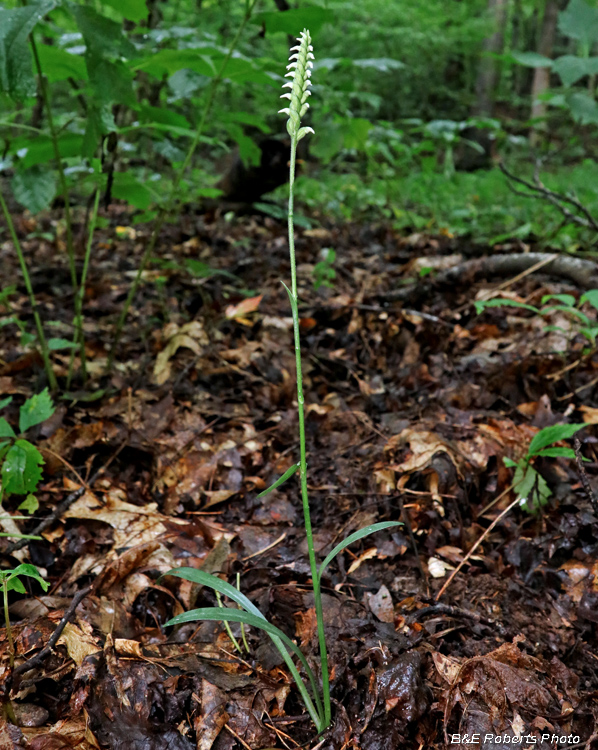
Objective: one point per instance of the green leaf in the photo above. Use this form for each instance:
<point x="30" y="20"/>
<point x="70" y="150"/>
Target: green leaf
<point x="531" y="488"/>
<point x="591" y="298"/>
<point x="557" y="453"/>
<point x="571" y="68"/>
<point x="30" y="504"/>
<point x="553" y="434"/>
<point x="103" y="37"/>
<point x="111" y="81"/>
<point x="34" y="188"/>
<point x="222" y="587"/>
<point x="579" y="21"/>
<point x="532" y="59"/>
<point x="36" y="410"/>
<point x="59" y="65"/>
<point x="58" y="344"/>
<point x="353" y="538"/>
<point x="566" y="299"/>
<point x="133" y="10"/>
<point x="41" y="150"/>
<point x="169" y="61"/>
<point x="21" y="470"/>
<point x="5" y="402"/>
<point x="289" y="21"/>
<point x="16" y="71"/>
<point x="481" y="305"/>
<point x="25" y="569"/>
<point x="509" y="463"/>
<point x="281" y="480"/>
<point x="583" y="108"/>
<point x="127" y="188"/>
<point x="6" y="431"/>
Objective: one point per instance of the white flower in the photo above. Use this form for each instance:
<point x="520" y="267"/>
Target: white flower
<point x="299" y="70"/>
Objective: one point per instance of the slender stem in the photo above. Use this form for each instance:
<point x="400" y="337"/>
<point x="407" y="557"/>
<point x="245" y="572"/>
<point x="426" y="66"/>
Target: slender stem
<point x="303" y="456"/>
<point x="167" y="207"/>
<point x="11" y="643"/>
<point x="65" y="195"/>
<point x="43" y="345"/>
<point x="81" y="291"/>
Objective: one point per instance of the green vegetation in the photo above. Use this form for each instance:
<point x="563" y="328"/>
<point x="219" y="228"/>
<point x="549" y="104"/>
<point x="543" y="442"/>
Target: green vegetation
<point x="10" y="580"/>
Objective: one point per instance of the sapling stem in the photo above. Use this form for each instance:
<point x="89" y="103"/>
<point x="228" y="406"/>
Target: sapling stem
<point x="43" y="344"/>
<point x="9" y="638"/>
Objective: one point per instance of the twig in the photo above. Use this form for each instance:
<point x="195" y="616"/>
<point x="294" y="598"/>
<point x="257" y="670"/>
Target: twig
<point x="39" y="658"/>
<point x="584" y="476"/>
<point x="448" y="609"/>
<point x="476" y="545"/>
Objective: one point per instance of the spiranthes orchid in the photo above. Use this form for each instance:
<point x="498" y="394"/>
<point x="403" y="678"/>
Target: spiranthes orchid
<point x="317" y="700"/>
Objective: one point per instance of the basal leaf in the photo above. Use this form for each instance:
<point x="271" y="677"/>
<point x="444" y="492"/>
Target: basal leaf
<point x="481" y="305"/>
<point x="281" y="480"/>
<point x="35" y="410"/>
<point x="591" y="298"/>
<point x="557" y="453"/>
<point x="366" y="531"/>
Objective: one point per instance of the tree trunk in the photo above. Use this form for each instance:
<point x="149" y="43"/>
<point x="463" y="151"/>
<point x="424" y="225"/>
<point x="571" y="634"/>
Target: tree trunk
<point x="541" y="80"/>
<point x="488" y="71"/>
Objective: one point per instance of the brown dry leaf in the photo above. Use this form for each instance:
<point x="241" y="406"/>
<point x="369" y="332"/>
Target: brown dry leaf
<point x="212" y="716"/>
<point x="446" y="667"/>
<point x="424" y="446"/>
<point x="191" y="336"/>
<point x="79" y="645"/>
<point x="71" y="734"/>
<point x="305" y="626"/>
<point x="213" y="497"/>
<point x="578" y="574"/>
<point x="244" y="307"/>
<point x="381" y="605"/>
<point x="127" y="647"/>
<point x="590" y="414"/>
<point x="367" y="555"/>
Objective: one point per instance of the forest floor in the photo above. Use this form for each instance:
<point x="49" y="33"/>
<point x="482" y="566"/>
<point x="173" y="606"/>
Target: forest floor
<point x="410" y="412"/>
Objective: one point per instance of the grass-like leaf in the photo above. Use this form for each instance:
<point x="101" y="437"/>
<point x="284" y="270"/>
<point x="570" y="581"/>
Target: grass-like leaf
<point x="353" y="538"/>
<point x="281" y="480"/>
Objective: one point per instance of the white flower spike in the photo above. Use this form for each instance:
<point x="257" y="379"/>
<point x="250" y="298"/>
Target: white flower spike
<point x="299" y="70"/>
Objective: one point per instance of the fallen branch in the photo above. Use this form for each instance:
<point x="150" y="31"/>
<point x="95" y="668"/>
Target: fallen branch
<point x="584" y="273"/>
<point x="584" y="476"/>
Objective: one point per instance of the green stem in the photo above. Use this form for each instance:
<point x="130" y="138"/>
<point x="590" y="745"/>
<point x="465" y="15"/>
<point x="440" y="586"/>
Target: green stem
<point x="65" y="196"/>
<point x="81" y="291"/>
<point x="43" y="345"/>
<point x="167" y="207"/>
<point x="11" y="643"/>
<point x="303" y="457"/>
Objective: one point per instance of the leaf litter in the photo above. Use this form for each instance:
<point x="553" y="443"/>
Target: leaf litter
<point x="410" y="415"/>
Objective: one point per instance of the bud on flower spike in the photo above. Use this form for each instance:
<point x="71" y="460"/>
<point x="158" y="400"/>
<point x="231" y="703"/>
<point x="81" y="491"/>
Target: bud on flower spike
<point x="299" y="70"/>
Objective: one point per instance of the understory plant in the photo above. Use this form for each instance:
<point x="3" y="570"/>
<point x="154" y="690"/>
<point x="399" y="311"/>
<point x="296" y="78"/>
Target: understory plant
<point x="10" y="580"/>
<point x="315" y="694"/>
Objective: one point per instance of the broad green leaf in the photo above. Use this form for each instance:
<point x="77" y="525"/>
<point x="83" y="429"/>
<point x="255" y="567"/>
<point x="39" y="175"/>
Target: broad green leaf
<point x="221" y="614"/>
<point x="289" y="21"/>
<point x="41" y="150"/>
<point x="133" y="10"/>
<point x="557" y="453"/>
<point x="591" y="298"/>
<point x="4" y="446"/>
<point x="21" y="470"/>
<point x="15" y="584"/>
<point x="281" y="480"/>
<point x="6" y="431"/>
<point x="531" y="488"/>
<point x="553" y="434"/>
<point x="366" y="531"/>
<point x="481" y="305"/>
<point x="532" y="59"/>
<point x="583" y="108"/>
<point x="579" y="21"/>
<point x="5" y="402"/>
<point x="30" y="504"/>
<point x="25" y="569"/>
<point x="127" y="188"/>
<point x="508" y="462"/>
<point x="103" y="37"/>
<point x="111" y="81"/>
<point x="356" y="133"/>
<point x="16" y="70"/>
<point x="34" y="188"/>
<point x="571" y="68"/>
<point x="381" y="64"/>
<point x="163" y="117"/>
<point x="169" y="61"/>
<point x="36" y="410"/>
<point x="569" y="310"/>
<point x="58" y="344"/>
<point x="59" y="65"/>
